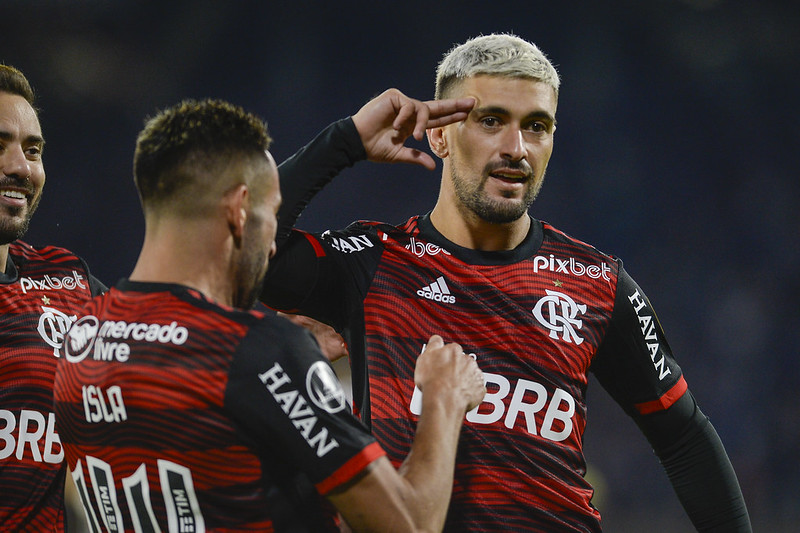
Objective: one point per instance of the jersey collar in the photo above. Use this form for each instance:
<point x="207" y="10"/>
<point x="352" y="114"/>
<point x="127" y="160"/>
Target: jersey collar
<point x="527" y="248"/>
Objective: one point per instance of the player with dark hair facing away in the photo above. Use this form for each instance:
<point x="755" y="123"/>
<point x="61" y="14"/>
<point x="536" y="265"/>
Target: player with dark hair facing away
<point x="182" y="409"/>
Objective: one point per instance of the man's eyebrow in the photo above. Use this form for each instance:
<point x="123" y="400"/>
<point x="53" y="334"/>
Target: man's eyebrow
<point x="492" y="110"/>
<point x="542" y="115"/>
<point x="497" y="110"/>
<point x="34" y="139"/>
<point x="30" y="139"/>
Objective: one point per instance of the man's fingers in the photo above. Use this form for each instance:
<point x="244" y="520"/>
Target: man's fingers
<point x="386" y="122"/>
<point x="448" y="119"/>
<point x="444" y="112"/>
<point x="407" y="110"/>
<point x="441" y="108"/>
<point x="431" y="114"/>
<point x="412" y="113"/>
<point x="423" y="112"/>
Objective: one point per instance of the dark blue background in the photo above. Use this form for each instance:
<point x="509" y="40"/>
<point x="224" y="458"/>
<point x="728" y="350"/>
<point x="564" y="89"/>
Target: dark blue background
<point x="676" y="150"/>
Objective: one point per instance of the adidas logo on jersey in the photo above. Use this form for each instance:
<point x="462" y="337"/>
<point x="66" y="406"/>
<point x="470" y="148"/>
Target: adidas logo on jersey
<point x="437" y="291"/>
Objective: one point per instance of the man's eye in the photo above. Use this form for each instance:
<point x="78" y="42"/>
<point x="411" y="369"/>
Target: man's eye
<point x="34" y="152"/>
<point x="490" y="121"/>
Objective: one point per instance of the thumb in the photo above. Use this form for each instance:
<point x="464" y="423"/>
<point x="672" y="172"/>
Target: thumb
<point x="417" y="157"/>
<point x="434" y="342"/>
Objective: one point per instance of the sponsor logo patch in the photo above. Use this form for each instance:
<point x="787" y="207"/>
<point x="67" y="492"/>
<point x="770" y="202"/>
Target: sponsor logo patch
<point x="438" y="291"/>
<point x="53" y="283"/>
<point x="88" y="336"/>
<point x="283" y="390"/>
<point x="570" y="266"/>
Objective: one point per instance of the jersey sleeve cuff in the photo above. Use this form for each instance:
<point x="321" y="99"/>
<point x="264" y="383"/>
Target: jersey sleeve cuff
<point x="351" y="468"/>
<point x="666" y="399"/>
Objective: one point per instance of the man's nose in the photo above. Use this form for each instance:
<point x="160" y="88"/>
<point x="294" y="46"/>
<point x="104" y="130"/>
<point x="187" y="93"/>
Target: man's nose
<point x="14" y="162"/>
<point x="513" y="147"/>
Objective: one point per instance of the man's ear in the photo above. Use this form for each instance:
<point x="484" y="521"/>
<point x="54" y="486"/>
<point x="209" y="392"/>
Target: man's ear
<point x="235" y="207"/>
<point x="437" y="142"/>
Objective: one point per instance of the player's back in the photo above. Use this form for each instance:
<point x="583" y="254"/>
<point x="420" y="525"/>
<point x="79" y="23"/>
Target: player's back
<point x="141" y="402"/>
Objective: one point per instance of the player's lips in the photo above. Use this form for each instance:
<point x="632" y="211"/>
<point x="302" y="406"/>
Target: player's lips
<point x="509" y="175"/>
<point x="14" y="196"/>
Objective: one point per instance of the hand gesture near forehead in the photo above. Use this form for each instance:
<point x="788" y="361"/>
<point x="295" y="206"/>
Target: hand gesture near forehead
<point x="387" y="121"/>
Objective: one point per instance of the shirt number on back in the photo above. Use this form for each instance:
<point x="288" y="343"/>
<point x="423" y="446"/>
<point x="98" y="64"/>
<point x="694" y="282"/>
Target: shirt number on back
<point x="177" y="489"/>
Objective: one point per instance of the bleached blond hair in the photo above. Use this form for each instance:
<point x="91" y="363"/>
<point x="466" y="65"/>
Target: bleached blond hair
<point x="497" y="54"/>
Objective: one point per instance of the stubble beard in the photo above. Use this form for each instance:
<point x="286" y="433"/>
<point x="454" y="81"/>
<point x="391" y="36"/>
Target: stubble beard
<point x="473" y="196"/>
<point x="248" y="296"/>
<point x="251" y="272"/>
<point x="10" y="229"/>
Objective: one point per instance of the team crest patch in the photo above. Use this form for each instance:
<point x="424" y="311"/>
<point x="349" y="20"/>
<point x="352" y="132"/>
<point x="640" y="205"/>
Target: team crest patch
<point x="324" y="388"/>
<point x="81" y="338"/>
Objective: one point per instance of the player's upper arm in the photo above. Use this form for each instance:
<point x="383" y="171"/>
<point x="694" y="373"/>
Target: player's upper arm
<point x="635" y="363"/>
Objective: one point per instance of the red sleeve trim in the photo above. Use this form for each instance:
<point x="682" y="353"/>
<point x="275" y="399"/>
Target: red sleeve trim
<point x="666" y="400"/>
<point x="351" y="468"/>
<point x="318" y="249"/>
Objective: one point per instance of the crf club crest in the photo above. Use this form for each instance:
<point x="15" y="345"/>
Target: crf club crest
<point x="558" y="313"/>
<point x="53" y="326"/>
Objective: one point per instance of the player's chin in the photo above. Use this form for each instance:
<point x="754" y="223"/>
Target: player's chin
<point x="13" y="228"/>
<point x="504" y="210"/>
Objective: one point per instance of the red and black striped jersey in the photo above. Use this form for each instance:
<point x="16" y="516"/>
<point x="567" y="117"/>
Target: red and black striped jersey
<point x="180" y="414"/>
<point x="537" y="318"/>
<point x="40" y="294"/>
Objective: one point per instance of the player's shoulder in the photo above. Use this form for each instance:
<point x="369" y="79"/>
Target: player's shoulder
<point x="358" y="236"/>
<point x="26" y="251"/>
<point x="555" y="236"/>
<point x="261" y="321"/>
<point x="276" y="338"/>
<point x="383" y="229"/>
<point x="279" y="330"/>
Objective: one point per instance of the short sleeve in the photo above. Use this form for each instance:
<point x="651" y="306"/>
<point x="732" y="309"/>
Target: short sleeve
<point x="289" y="402"/>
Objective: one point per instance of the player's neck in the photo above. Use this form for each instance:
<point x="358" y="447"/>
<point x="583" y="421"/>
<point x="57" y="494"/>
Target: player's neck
<point x="3" y="257"/>
<point x="174" y="256"/>
<point x="469" y="231"/>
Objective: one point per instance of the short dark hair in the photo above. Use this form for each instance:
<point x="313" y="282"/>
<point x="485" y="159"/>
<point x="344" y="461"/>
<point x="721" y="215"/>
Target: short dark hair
<point x="14" y="82"/>
<point x="183" y="140"/>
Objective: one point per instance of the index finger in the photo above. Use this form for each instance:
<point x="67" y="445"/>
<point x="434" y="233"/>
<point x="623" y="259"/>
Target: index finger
<point x="444" y="112"/>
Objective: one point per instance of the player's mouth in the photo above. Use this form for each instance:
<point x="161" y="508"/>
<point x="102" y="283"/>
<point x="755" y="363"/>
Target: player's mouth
<point x="510" y="176"/>
<point x="13" y="197"/>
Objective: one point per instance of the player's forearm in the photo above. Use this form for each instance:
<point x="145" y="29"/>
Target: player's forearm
<point x="704" y="480"/>
<point x="429" y="467"/>
<point x="312" y="167"/>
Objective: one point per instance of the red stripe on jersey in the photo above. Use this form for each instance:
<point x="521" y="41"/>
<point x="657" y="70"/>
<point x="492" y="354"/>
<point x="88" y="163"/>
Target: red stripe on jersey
<point x="352" y="467"/>
<point x="665" y="401"/>
<point x="315" y="244"/>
